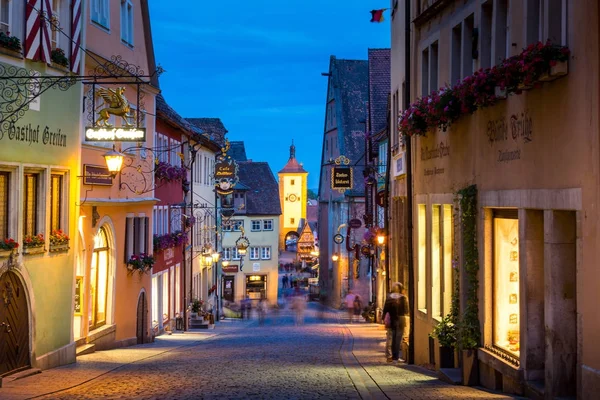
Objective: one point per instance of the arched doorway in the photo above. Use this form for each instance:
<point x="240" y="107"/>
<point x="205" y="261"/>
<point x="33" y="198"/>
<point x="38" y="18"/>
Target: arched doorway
<point x="99" y="281"/>
<point x="14" y="325"/>
<point x="291" y="241"/>
<point x="142" y="319"/>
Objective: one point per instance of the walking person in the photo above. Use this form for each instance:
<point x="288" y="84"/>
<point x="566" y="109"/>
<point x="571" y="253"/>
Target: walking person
<point x="357" y="307"/>
<point x="395" y="311"/>
<point x="349" y="300"/>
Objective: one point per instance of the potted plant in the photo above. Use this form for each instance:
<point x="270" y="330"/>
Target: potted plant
<point x="142" y="263"/>
<point x="59" y="241"/>
<point x="58" y="57"/>
<point x="11" y="43"/>
<point x="445" y="333"/>
<point x="33" y="244"/>
<point x="7" y="246"/>
<point x="195" y="307"/>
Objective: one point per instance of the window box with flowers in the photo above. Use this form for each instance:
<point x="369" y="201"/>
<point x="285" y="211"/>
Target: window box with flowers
<point x="169" y="173"/>
<point x="59" y="241"/>
<point x="169" y="240"/>
<point x="59" y="59"/>
<point x="34" y="244"/>
<point x="141" y="263"/>
<point x="10" y="45"/>
<point x="7" y="246"/>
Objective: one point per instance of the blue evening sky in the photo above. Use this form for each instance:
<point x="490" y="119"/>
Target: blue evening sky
<point x="257" y="66"/>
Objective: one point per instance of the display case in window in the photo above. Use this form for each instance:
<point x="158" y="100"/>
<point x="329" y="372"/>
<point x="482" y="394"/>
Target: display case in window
<point x="506" y="286"/>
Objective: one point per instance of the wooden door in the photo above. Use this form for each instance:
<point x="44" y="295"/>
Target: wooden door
<point x="142" y="319"/>
<point x="14" y="325"/>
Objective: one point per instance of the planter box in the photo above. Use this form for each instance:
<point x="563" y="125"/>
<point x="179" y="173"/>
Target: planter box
<point x="13" y="53"/>
<point x="500" y="93"/>
<point x="522" y="86"/>
<point x="560" y="69"/>
<point x="59" y="67"/>
<point x="59" y="248"/>
<point x="34" y="250"/>
<point x="446" y="357"/>
<point x="470" y="367"/>
<point x="5" y="253"/>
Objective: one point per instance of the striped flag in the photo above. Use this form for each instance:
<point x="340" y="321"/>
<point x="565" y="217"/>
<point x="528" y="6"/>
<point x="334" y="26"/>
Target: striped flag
<point x="377" y="15"/>
<point x="75" y="56"/>
<point x="38" y="29"/>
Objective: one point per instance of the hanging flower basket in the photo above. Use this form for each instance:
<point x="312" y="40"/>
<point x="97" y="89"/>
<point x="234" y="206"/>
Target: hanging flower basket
<point x="141" y="263"/>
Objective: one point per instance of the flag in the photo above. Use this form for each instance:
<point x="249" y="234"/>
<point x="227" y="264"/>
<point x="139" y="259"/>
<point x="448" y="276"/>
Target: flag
<point x="377" y="15"/>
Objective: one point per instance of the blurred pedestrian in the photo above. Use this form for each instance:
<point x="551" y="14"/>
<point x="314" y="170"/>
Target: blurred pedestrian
<point x="357" y="307"/>
<point x="246" y="307"/>
<point x="299" y="304"/>
<point x="395" y="311"/>
<point x="349" y="300"/>
<point x="261" y="310"/>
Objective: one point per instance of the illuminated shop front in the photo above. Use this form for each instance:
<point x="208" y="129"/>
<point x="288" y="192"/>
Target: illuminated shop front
<point x="256" y="286"/>
<point x="506" y="283"/>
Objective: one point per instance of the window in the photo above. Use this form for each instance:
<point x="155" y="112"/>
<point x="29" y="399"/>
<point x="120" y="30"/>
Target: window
<point x="533" y="23"/>
<point x="256" y="225"/>
<point x="226" y="225"/>
<point x="501" y="31"/>
<point x="456" y="52"/>
<point x="425" y="72"/>
<point x="5" y="10"/>
<point x="4" y="205"/>
<point x="467" y="46"/>
<point x="292" y="221"/>
<point x="100" y="13"/>
<point x="55" y="34"/>
<point x="292" y="182"/>
<point x="99" y="281"/>
<point x="56" y="202"/>
<point x="127" y="22"/>
<point x="506" y="283"/>
<point x="433" y="67"/>
<point x="226" y="253"/>
<point x="555" y="21"/>
<point x="436" y="284"/>
<point x="254" y="253"/>
<point x="422" y="261"/>
<point x="175" y="219"/>
<point x="268" y="224"/>
<point x="238" y="225"/>
<point x="31" y="192"/>
<point x="177" y="289"/>
<point x="234" y="253"/>
<point x="136" y="236"/>
<point x="447" y="246"/>
<point x="485" y="37"/>
<point x="265" y="253"/>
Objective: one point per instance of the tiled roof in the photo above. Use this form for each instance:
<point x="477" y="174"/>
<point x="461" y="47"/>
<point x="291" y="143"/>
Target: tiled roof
<point x="237" y="151"/>
<point x="293" y="165"/>
<point x="263" y="196"/>
<point x="212" y="126"/>
<point x="379" y="88"/>
<point x="351" y="78"/>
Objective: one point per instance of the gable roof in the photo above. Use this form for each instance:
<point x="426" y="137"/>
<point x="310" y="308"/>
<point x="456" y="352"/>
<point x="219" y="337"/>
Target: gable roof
<point x="211" y="126"/>
<point x="262" y="197"/>
<point x="379" y="88"/>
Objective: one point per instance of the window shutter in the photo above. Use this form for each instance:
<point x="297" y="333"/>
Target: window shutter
<point x="136" y="235"/>
<point x="146" y="234"/>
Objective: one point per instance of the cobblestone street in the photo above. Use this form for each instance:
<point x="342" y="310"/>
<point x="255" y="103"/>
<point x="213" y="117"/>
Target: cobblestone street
<point x="326" y="359"/>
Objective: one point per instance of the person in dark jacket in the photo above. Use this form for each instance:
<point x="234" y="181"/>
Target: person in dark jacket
<point x="396" y="306"/>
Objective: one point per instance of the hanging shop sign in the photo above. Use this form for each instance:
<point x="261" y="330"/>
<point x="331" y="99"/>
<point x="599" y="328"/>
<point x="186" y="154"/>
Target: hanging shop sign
<point x="355" y="223"/>
<point x="381" y="195"/>
<point x="341" y="174"/>
<point x="96" y="134"/>
<point x="226" y="172"/>
<point x="338" y="238"/>
<point x="230" y="269"/>
<point x="96" y="175"/>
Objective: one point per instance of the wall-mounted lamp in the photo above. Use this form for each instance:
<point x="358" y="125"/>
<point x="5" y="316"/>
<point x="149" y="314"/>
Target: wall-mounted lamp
<point x="215" y="256"/>
<point x="335" y="257"/>
<point x="225" y="263"/>
<point x="380" y="238"/>
<point x="114" y="161"/>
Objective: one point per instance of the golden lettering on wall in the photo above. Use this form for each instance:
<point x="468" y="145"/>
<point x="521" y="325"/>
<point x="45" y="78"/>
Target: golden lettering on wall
<point x="518" y="127"/>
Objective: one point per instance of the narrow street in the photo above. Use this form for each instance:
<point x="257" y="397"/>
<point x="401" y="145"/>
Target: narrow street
<point x="240" y="359"/>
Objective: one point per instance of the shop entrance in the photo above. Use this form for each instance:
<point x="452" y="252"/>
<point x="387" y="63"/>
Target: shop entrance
<point x="256" y="287"/>
<point x="14" y="325"/>
<point x="142" y="318"/>
<point x="228" y="288"/>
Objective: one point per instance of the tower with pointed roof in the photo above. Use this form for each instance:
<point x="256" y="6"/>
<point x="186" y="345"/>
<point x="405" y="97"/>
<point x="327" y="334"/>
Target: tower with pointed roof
<point x="292" y="196"/>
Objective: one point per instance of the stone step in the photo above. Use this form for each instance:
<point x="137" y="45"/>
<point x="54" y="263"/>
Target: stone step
<point x="81" y="341"/>
<point x="452" y="376"/>
<point x="85" y="349"/>
<point x="201" y="327"/>
<point x="22" y="374"/>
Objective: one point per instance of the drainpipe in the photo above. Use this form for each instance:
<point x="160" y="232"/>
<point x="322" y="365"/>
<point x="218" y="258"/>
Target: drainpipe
<point x="409" y="191"/>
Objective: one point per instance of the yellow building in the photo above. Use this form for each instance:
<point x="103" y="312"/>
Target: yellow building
<point x="293" y="198"/>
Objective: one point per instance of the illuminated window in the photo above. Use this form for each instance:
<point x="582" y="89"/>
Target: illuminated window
<point x="30" y="204"/>
<point x="422" y="261"/>
<point x="56" y="202"/>
<point x="99" y="281"/>
<point x="447" y="258"/>
<point x="506" y="283"/>
<point x="436" y="284"/>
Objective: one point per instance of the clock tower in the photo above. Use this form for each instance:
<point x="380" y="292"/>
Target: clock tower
<point x="292" y="196"/>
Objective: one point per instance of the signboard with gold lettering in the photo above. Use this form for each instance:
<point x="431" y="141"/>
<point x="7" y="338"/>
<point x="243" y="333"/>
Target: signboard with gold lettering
<point x="341" y="178"/>
<point x="96" y="175"/>
<point x="226" y="170"/>
<point x="112" y="134"/>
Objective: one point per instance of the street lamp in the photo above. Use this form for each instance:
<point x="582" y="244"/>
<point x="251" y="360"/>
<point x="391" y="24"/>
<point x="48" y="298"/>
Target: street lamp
<point x="380" y="238"/>
<point x="114" y="161"/>
<point x="335" y="257"/>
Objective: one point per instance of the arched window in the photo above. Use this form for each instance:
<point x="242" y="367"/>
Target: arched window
<point x="99" y="281"/>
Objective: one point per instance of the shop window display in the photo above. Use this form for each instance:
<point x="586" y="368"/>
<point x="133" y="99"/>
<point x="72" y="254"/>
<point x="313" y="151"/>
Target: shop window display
<point x="506" y="285"/>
